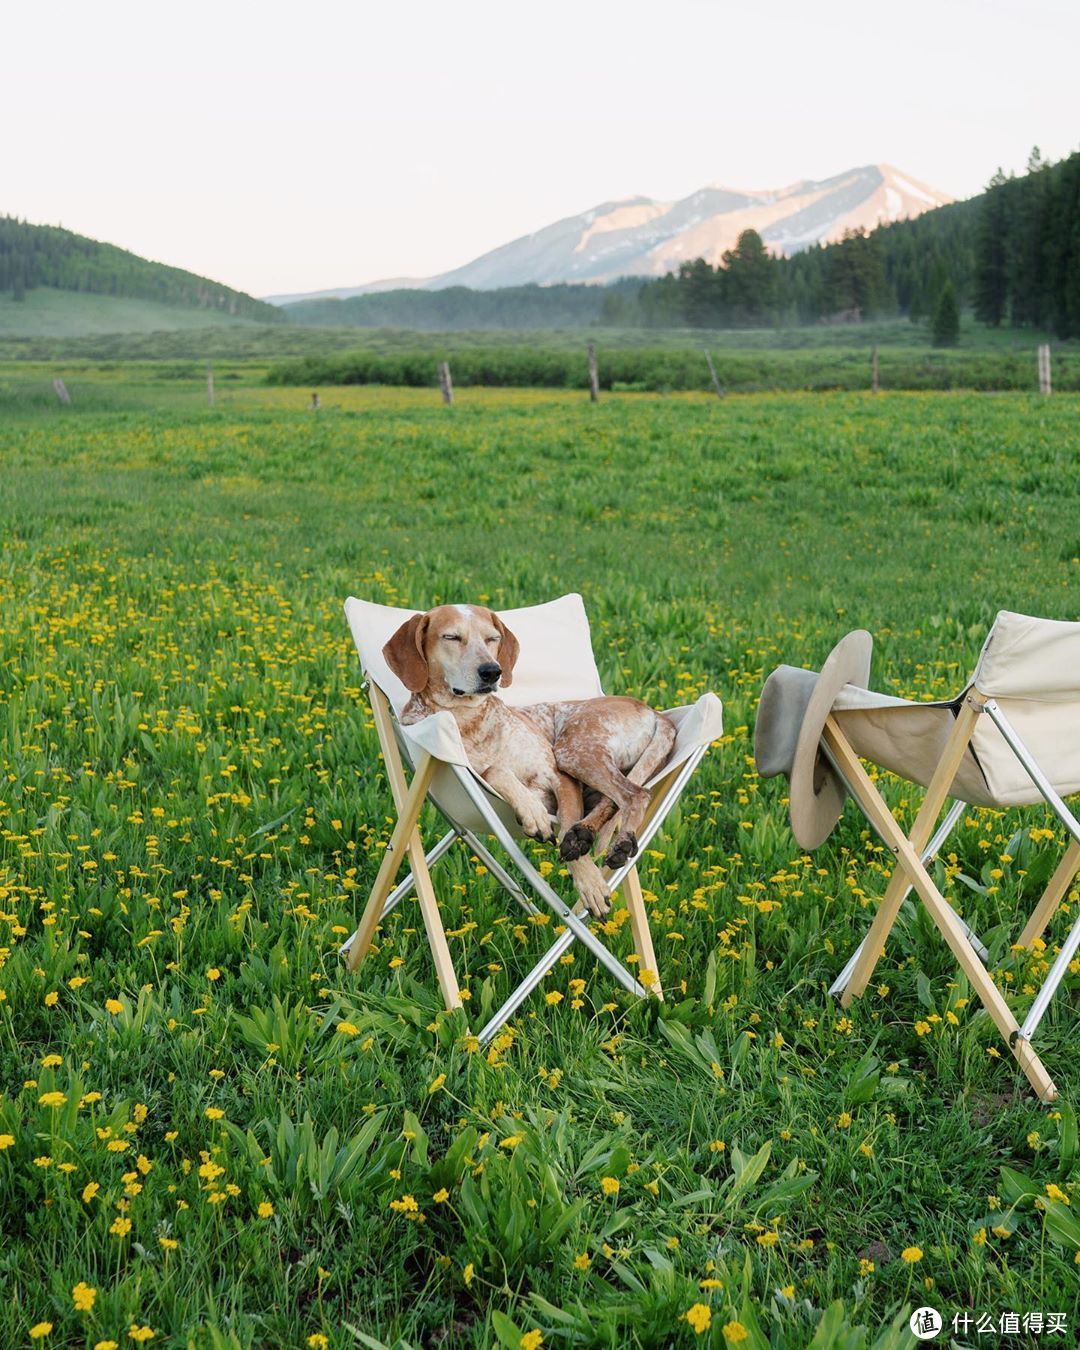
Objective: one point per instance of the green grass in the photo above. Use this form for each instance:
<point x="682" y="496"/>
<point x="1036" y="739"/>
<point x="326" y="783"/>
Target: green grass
<point x="898" y="339"/>
<point x="193" y="809"/>
<point x="48" y="313"/>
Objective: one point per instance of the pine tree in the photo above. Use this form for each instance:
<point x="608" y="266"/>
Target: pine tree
<point x="991" y="254"/>
<point x="749" y="280"/>
<point x="945" y="326"/>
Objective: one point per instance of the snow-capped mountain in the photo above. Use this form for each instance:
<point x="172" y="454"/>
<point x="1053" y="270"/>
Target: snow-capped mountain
<point x="642" y="237"/>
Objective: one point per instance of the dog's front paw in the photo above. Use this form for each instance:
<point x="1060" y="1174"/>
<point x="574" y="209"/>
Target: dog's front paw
<point x="591" y="887"/>
<point x="576" y="842"/>
<point x="622" y="850"/>
<point x="536" y="823"/>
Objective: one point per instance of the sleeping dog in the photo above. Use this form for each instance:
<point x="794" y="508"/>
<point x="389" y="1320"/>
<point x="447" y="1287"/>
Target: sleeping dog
<point x="546" y="756"/>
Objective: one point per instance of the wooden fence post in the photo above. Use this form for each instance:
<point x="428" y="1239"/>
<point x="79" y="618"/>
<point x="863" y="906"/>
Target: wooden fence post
<point x="210" y="384"/>
<point x="874" y="385"/>
<point x="712" y="374"/>
<point x="446" y="383"/>
<point x="594" y="375"/>
<point x="1044" y="368"/>
<point x="61" y="390"/>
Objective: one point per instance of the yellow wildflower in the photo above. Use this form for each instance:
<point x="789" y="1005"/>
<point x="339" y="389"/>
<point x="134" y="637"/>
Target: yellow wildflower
<point x="83" y="1296"/>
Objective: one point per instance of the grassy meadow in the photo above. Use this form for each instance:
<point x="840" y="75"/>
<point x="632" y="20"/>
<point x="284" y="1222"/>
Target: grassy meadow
<point x="210" y="1136"/>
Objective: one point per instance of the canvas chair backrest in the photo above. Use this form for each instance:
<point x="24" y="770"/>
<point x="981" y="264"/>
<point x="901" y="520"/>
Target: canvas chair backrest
<point x="1031" y="668"/>
<point x="556" y="659"/>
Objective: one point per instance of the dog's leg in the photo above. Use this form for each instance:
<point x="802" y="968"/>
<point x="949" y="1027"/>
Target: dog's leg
<point x="622" y="792"/>
<point x="529" y="807"/>
<point x="587" y="878"/>
<point x="655" y="755"/>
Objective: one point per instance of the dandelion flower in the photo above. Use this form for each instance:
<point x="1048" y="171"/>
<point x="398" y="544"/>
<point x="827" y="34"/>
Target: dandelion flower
<point x="700" y="1318"/>
<point x="911" y="1255"/>
<point x="265" y="1210"/>
<point x="40" y="1330"/>
<point x="734" y="1332"/>
<point x="609" y="1185"/>
<point x="83" y="1296"/>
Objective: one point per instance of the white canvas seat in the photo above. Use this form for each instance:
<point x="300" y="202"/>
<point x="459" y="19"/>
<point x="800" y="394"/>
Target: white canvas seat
<point x="1011" y="738"/>
<point x="555" y="663"/>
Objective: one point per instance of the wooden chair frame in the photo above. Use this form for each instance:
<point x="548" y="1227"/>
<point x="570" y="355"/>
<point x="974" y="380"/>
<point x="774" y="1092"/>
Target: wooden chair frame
<point x="405" y="840"/>
<point x="912" y="853"/>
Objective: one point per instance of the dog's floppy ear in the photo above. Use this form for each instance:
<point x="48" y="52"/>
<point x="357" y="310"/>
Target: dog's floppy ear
<point x="404" y="653"/>
<point x="508" y="651"/>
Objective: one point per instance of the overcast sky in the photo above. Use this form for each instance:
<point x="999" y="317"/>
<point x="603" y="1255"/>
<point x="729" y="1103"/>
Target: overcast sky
<point x="293" y="147"/>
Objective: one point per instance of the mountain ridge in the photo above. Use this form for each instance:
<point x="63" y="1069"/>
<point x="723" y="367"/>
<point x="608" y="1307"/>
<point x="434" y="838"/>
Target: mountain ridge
<point x="640" y="236"/>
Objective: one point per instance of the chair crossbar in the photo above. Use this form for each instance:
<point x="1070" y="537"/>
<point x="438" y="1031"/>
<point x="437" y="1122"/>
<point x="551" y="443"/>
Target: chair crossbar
<point x="549" y="896"/>
<point x="653" y="820"/>
<point x="928" y="855"/>
<point x="911" y="874"/>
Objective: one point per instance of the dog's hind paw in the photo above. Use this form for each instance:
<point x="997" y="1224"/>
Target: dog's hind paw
<point x="622" y="850"/>
<point x="576" y="842"/>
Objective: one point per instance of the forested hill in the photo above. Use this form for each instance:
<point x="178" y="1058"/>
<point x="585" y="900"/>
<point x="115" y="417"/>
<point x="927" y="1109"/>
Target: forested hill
<point x="47" y="255"/>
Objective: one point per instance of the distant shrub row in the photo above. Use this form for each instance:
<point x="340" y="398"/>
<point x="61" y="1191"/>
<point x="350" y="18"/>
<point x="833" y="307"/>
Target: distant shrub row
<point x="664" y="369"/>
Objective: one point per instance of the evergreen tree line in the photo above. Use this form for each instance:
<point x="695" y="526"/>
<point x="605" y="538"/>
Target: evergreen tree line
<point x="1012" y="254"/>
<point x="46" y="255"/>
<point x="897" y="269"/>
<point x="1027" y="251"/>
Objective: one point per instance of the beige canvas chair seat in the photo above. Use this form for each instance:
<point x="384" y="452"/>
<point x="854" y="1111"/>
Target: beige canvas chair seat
<point x="555" y="663"/>
<point x="1011" y="738"/>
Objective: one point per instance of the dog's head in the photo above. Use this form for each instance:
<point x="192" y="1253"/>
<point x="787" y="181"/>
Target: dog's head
<point x="455" y="650"/>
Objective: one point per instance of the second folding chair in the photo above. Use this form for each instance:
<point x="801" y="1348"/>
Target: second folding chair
<point x="555" y="663"/>
<point x="1011" y="738"/>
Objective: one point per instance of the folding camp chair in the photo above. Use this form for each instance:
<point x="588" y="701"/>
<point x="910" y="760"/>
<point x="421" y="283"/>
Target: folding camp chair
<point x="1011" y="738"/>
<point x="555" y="663"/>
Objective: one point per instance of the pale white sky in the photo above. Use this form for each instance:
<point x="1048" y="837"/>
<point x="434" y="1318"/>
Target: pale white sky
<point x="292" y="147"/>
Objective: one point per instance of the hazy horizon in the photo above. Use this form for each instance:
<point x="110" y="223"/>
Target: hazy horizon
<point x="278" y="157"/>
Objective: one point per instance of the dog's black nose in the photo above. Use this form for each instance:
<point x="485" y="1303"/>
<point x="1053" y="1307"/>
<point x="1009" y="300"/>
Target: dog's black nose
<point x="489" y="672"/>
